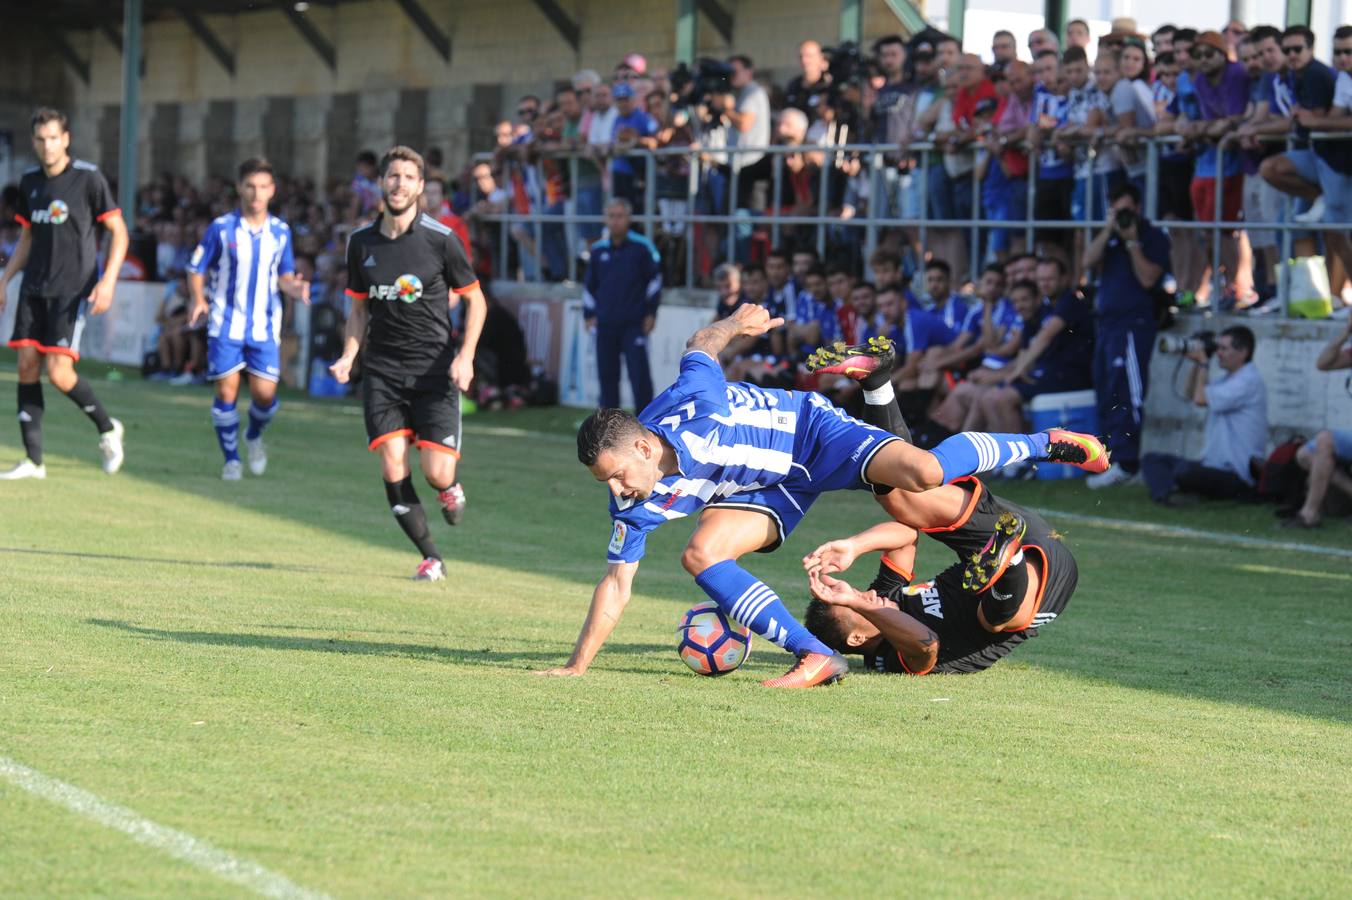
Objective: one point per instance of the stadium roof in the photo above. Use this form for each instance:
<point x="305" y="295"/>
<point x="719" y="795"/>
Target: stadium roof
<point x="81" y="14"/>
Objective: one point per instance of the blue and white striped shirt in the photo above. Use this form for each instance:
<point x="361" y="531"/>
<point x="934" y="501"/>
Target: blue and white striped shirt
<point x="242" y="268"/>
<point x="729" y="438"/>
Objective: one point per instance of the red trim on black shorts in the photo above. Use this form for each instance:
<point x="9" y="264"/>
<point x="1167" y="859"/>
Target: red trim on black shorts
<point x="389" y="436"/>
<point x="1041" y="587"/>
<point x="433" y="445"/>
<point x="966" y="510"/>
<point x="43" y="348"/>
<point x="22" y="221"/>
<point x="356" y="295"/>
<point x="466" y="289"/>
<point x="898" y="569"/>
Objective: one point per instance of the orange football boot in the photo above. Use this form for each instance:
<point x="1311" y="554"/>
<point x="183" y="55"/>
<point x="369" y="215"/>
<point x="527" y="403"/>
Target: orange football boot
<point x="1083" y="451"/>
<point x="985" y="567"/>
<point x="811" y="670"/>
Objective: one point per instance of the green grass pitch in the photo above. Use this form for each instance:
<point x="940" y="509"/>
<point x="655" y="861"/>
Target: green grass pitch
<point x="248" y="663"/>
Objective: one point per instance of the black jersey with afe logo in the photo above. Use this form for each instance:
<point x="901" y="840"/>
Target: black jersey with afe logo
<point x="61" y="212"/>
<point x="406" y="283"/>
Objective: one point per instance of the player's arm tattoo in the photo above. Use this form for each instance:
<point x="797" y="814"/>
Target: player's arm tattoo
<point x="712" y="339"/>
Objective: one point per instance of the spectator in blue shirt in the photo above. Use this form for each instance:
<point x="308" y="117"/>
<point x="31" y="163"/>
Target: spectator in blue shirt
<point x="623" y="290"/>
<point x="1051" y="109"/>
<point x="1236" y="428"/>
<point x="1131" y="255"/>
<point x="633" y="128"/>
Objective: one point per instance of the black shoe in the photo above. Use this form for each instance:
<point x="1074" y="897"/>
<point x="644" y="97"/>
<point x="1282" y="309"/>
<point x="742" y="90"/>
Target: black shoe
<point x="987" y="565"/>
<point x="860" y="362"/>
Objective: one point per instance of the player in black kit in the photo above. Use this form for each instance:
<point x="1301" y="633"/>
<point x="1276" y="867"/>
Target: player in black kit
<point x="1013" y="577"/>
<point x="405" y="272"/>
<point x="60" y="203"/>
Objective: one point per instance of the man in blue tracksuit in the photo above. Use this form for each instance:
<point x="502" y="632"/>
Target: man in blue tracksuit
<point x="1133" y="256"/>
<point x="622" y="292"/>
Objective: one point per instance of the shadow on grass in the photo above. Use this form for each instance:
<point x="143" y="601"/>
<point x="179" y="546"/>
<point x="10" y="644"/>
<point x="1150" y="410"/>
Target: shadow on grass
<point x="485" y="656"/>
<point x="167" y="561"/>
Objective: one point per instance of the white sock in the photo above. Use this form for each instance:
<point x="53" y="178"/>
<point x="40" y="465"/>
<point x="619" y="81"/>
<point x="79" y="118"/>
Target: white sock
<point x="882" y="396"/>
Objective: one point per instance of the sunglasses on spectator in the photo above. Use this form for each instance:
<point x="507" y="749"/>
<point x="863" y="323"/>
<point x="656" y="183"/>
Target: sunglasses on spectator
<point x="1205" y="52"/>
<point x="527" y="111"/>
<point x="1344" y="51"/>
<point x="1293" y="49"/>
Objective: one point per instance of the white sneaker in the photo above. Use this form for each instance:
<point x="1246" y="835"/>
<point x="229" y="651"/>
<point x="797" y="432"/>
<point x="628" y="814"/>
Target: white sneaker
<point x="258" y="455"/>
<point x="1313" y="214"/>
<point x="111" y="445"/>
<point x="25" y="469"/>
<point x="1111" y="477"/>
<point x="430" y="570"/>
<point x="182" y="379"/>
<point x="233" y="471"/>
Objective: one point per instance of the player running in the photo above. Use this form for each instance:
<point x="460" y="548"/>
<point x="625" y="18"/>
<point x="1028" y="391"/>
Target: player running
<point x="403" y="271"/>
<point x="60" y="202"/>
<point x="751" y="461"/>
<point x="1012" y="577"/>
<point x="247" y="255"/>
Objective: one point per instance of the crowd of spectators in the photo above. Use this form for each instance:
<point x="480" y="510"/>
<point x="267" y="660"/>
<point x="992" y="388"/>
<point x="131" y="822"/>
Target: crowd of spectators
<point x="1076" y="118"/>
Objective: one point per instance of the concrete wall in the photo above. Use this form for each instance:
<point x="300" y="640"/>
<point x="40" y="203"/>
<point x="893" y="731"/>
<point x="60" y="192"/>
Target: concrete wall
<point x="500" y="49"/>
<point x="1301" y="400"/>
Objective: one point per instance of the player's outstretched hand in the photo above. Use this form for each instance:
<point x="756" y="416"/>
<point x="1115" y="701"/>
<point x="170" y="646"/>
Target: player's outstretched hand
<point x="462" y="371"/>
<point x="296" y="288"/>
<point x="753" y="320"/>
<point x="833" y="556"/>
<point x="341" y="369"/>
<point x="560" y="672"/>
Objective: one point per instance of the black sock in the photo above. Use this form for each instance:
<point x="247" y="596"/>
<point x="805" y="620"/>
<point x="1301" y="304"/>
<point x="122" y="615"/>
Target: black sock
<point x="30" y="420"/>
<point x="82" y="395"/>
<point x="1004" y="598"/>
<point x="408" y="512"/>
<point x="914" y="405"/>
<point x="888" y="582"/>
<point x="884" y="414"/>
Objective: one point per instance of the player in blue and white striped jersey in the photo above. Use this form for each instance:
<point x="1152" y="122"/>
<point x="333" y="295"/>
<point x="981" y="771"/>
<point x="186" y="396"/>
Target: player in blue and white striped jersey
<point x="237" y="276"/>
<point x="751" y="461"/>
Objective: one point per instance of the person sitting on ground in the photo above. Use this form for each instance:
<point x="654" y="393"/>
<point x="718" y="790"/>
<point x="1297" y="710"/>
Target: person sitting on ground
<point x="1236" y="428"/>
<point x="1328" y="456"/>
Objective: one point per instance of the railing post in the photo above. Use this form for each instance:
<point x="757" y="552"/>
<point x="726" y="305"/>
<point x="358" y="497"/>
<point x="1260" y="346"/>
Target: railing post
<point x="692" y="198"/>
<point x="649" y="191"/>
<point x="539" y="221"/>
<point x="1029" y="205"/>
<point x="1284" y="264"/>
<point x="924" y="203"/>
<point x="732" y="204"/>
<point x="977" y="254"/>
<point x="828" y="162"/>
<point x="777" y="182"/>
<point x="871" y="228"/>
<point x="1152" y="179"/>
<point x="570" y="208"/>
<point x="1218" y="212"/>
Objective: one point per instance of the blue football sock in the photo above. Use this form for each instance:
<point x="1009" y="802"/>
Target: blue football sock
<point x="259" y="417"/>
<point x="750" y="601"/>
<point x="977" y="451"/>
<point x="226" y="419"/>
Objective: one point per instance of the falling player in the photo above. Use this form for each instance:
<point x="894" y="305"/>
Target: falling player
<point x="60" y="202"/>
<point x="751" y="461"/>
<point x="247" y="255"/>
<point x="403" y="273"/>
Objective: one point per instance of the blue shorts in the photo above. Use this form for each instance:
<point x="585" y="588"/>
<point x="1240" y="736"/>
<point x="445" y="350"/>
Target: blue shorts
<point x="831" y="450"/>
<point x="225" y="357"/>
<point x="1342" y="444"/>
<point x="1337" y="189"/>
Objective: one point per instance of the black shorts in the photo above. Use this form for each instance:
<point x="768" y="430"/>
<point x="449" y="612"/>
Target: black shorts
<point x="1175" y="190"/>
<point x="1060" y="574"/>
<point x="426" y="409"/>
<point x="51" y="326"/>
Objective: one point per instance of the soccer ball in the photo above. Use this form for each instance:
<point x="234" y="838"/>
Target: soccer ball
<point x="709" y="642"/>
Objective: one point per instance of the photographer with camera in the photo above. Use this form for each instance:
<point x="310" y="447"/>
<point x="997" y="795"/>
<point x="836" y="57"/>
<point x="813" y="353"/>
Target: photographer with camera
<point x="1236" y="423"/>
<point x="1132" y="256"/>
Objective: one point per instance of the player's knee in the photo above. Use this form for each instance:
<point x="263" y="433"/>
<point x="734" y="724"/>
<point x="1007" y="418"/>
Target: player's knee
<point x="697" y="557"/>
<point x="61" y="372"/>
<point x="29" y="366"/>
<point x="1323" y="443"/>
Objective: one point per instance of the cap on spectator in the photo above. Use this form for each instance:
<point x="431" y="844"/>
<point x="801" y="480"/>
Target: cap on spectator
<point x="622" y="91"/>
<point x="1212" y="39"/>
<point x="636" y="62"/>
<point x="924" y="48"/>
<point x="1125" y="24"/>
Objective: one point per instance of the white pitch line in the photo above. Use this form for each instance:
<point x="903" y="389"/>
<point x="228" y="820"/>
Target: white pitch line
<point x="177" y="844"/>
<point x="1217" y="537"/>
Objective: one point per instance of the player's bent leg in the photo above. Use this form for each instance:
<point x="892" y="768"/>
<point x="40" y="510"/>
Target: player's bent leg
<point x="406" y="506"/>
<point x="61" y="373"/>
<point x="263" y="406"/>
<point x="986" y="567"/>
<point x="439" y="465"/>
<point x="724" y="535"/>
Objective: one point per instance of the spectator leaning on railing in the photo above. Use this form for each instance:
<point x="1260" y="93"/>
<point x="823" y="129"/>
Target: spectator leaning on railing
<point x="1236" y="427"/>
<point x="1131" y="256"/>
<point x="1333" y="158"/>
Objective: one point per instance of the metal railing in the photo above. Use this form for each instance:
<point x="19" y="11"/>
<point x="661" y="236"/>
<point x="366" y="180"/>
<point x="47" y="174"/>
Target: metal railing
<point x="878" y="158"/>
